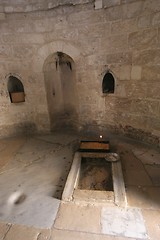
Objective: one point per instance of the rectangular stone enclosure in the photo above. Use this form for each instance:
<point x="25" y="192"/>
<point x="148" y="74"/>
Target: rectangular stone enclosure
<point x="94" y="179"/>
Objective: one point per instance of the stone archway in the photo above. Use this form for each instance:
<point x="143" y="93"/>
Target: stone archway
<point x="60" y="83"/>
<point x="40" y="64"/>
<point x="53" y="47"/>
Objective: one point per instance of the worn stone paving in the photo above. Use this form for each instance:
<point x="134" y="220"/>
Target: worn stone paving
<point x="40" y="163"/>
<point x="32" y="180"/>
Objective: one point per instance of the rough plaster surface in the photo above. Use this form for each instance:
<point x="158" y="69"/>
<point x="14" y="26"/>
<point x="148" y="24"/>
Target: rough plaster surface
<point x="120" y="36"/>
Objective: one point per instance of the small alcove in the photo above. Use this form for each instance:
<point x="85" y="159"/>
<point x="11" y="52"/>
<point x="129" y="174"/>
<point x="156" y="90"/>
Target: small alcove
<point x="108" y="84"/>
<point x="61" y="90"/>
<point x="16" y="90"/>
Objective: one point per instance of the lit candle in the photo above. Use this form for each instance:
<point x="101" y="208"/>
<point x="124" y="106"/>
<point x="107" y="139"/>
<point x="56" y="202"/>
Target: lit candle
<point x="100" y="137"/>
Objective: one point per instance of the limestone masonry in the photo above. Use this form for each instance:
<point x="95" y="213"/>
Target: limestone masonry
<point x="61" y="50"/>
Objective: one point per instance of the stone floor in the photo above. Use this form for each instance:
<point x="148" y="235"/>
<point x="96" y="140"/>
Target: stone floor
<point x="33" y="171"/>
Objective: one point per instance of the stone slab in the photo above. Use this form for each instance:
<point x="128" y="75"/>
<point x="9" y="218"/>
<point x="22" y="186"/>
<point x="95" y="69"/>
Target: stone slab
<point x="39" y="213"/>
<point x="73" y="235"/>
<point x="71" y="179"/>
<point x="22" y="232"/>
<point x="143" y="197"/>
<point x="136" y="177"/>
<point x="4" y="228"/>
<point x="130" y="162"/>
<point x="78" y="218"/>
<point x="154" y="173"/>
<point x="118" y="185"/>
<point x="32" y="179"/>
<point x="147" y="156"/>
<point x="98" y="4"/>
<point x="125" y="222"/>
<point x="152" y="222"/>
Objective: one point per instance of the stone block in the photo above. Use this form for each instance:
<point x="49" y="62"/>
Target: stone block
<point x="115" y="68"/>
<point x="138" y="90"/>
<point x="143" y="39"/>
<point x="96" y="30"/>
<point x="128" y="25"/>
<point x="109" y="104"/>
<point x="20" y="52"/>
<point x="72" y="235"/>
<point x="136" y="72"/>
<point x="123" y="104"/>
<point x="24" y="38"/>
<point x="135" y="90"/>
<point x="51" y="4"/>
<point x="86" y="17"/>
<point x="8" y="9"/>
<point x="146" y="57"/>
<point x="151" y="6"/>
<point x="116" y="43"/>
<point x="4" y="228"/>
<point x="143" y="197"/>
<point x="17" y="231"/>
<point x="153" y="90"/>
<point x="42" y="25"/>
<point x="2" y="8"/>
<point x="156" y="19"/>
<point x="154" y="173"/>
<point x="98" y="4"/>
<point x="151" y="218"/>
<point x="96" y="60"/>
<point x="28" y="8"/>
<point x="150" y="73"/>
<point x="94" y="45"/>
<point x="2" y="16"/>
<point x="67" y="35"/>
<point x="44" y="234"/>
<point x="110" y="3"/>
<point x="20" y="27"/>
<point x="129" y="122"/>
<point x="153" y="123"/>
<point x="127" y="223"/>
<point x="121" y="89"/>
<point x="5" y="51"/>
<point x="19" y="8"/>
<point x="145" y="107"/>
<point x="130" y="161"/>
<point x="144" y="21"/>
<point x="132" y="10"/>
<point x="83" y="218"/>
<point x="125" y="72"/>
<point x="147" y="156"/>
<point x="120" y="58"/>
<point x="113" y="13"/>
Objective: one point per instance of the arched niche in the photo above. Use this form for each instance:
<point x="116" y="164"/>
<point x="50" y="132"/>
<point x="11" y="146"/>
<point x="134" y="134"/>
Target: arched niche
<point x="108" y="83"/>
<point x="16" y="90"/>
<point x="60" y="84"/>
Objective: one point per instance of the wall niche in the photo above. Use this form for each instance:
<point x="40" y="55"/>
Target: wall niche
<point x="61" y="90"/>
<point x="108" y="83"/>
<point x="16" y="90"/>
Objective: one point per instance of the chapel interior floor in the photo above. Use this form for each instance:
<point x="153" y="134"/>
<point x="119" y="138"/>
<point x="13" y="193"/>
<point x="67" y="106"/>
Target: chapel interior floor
<point x="33" y="171"/>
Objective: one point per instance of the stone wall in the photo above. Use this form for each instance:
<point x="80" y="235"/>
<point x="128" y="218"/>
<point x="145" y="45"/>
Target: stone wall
<point x="120" y="36"/>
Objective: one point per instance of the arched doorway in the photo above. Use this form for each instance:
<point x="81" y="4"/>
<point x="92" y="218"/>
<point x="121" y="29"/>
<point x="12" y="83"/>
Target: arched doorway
<point x="60" y="83"/>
